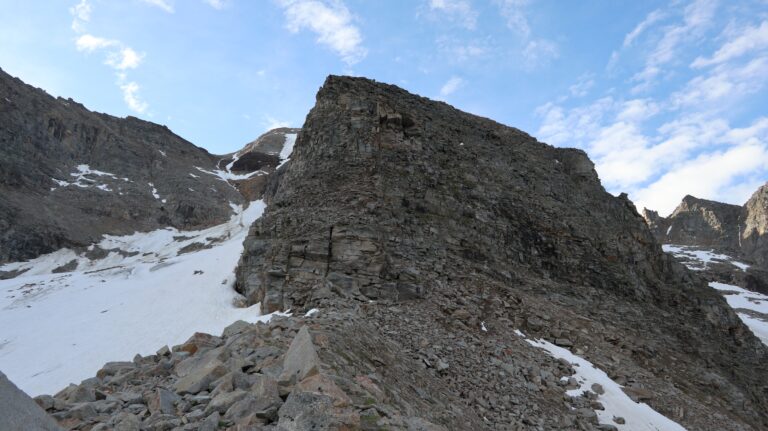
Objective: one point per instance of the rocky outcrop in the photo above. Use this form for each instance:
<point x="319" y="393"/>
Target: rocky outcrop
<point x="69" y="175"/>
<point x="391" y="197"/>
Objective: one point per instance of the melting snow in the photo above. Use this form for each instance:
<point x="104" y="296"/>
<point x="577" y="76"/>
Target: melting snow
<point x="285" y="153"/>
<point x="742" y="299"/>
<point x="82" y="180"/>
<point x="163" y="153"/>
<point x="226" y="176"/>
<point x="154" y="191"/>
<point x="669" y="229"/>
<point x="312" y="312"/>
<point x="637" y="416"/>
<point x="58" y="328"/>
<point x="698" y="260"/>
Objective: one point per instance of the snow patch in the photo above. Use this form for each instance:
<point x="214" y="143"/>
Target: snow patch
<point x="163" y="153"/>
<point x="312" y="312"/>
<point x="637" y="416"/>
<point x="743" y="299"/>
<point x="154" y="191"/>
<point x="84" y="178"/>
<point x="285" y="153"/>
<point x="227" y="176"/>
<point x="698" y="259"/>
<point x="669" y="229"/>
<point x="59" y="328"/>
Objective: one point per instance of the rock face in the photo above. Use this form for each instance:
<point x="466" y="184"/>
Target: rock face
<point x="754" y="227"/>
<point x="391" y="197"/>
<point x="19" y="412"/>
<point x="386" y="186"/>
<point x="731" y="229"/>
<point x="698" y="222"/>
<point x="69" y="175"/>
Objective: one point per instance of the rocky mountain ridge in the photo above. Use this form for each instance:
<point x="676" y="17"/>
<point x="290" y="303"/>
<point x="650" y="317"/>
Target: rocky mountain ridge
<point x="444" y="272"/>
<point x="736" y="230"/>
<point x="392" y="197"/>
<point x="69" y="175"/>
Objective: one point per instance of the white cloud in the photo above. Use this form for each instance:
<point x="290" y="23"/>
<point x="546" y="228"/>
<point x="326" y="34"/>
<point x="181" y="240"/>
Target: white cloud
<point x="713" y="176"/>
<point x="331" y="22"/>
<point x="165" y="5"/>
<point x="649" y="20"/>
<point x="451" y="86"/>
<point x="724" y="83"/>
<point x="130" y="95"/>
<point x="637" y="110"/>
<point x="90" y="43"/>
<point x="125" y="58"/>
<point x="461" y="49"/>
<point x="118" y="56"/>
<point x="458" y="10"/>
<point x="81" y="14"/>
<point x="539" y="52"/>
<point x="751" y="39"/>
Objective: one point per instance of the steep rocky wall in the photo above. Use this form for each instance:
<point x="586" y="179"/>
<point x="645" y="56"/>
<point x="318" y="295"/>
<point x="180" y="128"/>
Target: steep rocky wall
<point x="386" y="188"/>
<point x="43" y="206"/>
<point x="754" y="227"/>
<point x="699" y="222"/>
<point x="391" y="197"/>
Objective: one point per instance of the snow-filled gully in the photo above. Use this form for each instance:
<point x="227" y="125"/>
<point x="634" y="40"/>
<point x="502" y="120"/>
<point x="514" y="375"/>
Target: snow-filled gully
<point x="147" y="292"/>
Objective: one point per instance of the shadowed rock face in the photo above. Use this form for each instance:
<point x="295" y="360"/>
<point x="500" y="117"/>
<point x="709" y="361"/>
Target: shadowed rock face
<point x="390" y="196"/>
<point x="754" y="233"/>
<point x="43" y="206"/>
<point x="389" y="193"/>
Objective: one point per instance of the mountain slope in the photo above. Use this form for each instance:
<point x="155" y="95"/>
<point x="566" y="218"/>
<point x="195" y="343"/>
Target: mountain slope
<point x="68" y="175"/>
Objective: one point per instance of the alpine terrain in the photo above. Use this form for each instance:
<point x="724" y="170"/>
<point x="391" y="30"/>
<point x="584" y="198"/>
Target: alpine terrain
<point x="395" y="264"/>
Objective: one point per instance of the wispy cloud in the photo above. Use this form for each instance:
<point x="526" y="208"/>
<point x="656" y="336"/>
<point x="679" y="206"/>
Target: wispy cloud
<point x="124" y="59"/>
<point x="130" y="91"/>
<point x="217" y="4"/>
<point x="118" y="56"/>
<point x="539" y="52"/>
<point x="536" y="51"/>
<point x="460" y="11"/>
<point x="331" y="21"/>
<point x="90" y="43"/>
<point x="514" y="13"/>
<point x="81" y="14"/>
<point x="450" y="87"/>
<point x="649" y="20"/>
<point x="751" y="39"/>
<point x="690" y="139"/>
<point x="697" y="16"/>
<point x="165" y="5"/>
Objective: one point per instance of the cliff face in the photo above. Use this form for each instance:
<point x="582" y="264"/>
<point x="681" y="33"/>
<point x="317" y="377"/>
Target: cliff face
<point x="754" y="227"/>
<point x="68" y="175"/>
<point x="739" y="231"/>
<point x="386" y="188"/>
<point x="392" y="197"/>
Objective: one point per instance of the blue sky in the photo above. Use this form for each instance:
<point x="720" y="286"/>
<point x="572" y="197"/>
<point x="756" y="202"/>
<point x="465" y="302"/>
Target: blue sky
<point x="667" y="97"/>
